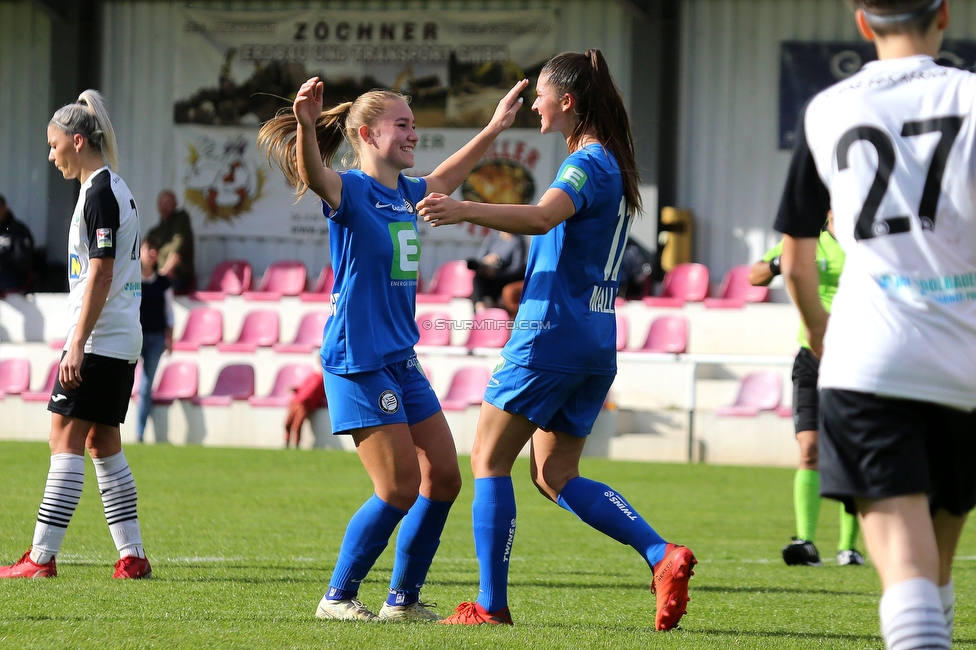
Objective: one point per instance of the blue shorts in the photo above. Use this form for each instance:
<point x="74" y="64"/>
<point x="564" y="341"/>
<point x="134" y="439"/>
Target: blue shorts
<point x="397" y="393"/>
<point x="555" y="401"/>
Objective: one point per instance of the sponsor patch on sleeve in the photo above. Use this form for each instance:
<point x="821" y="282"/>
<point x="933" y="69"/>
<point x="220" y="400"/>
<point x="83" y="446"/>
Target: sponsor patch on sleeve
<point x="574" y="176"/>
<point x="103" y="238"/>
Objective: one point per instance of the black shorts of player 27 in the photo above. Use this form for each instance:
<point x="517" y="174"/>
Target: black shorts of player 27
<point x="878" y="447"/>
<point x="102" y="397"/>
<point x="806" y="403"/>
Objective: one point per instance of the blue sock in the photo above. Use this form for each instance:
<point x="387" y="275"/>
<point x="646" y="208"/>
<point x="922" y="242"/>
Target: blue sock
<point x="417" y="541"/>
<point x="493" y="515"/>
<point x="602" y="508"/>
<point x="367" y="534"/>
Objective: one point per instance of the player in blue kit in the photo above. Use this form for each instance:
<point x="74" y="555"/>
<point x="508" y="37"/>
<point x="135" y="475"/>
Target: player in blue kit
<point x="561" y="360"/>
<point x="376" y="388"/>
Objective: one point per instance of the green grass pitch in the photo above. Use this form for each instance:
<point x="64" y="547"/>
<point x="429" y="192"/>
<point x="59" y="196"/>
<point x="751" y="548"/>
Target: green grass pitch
<point x="242" y="544"/>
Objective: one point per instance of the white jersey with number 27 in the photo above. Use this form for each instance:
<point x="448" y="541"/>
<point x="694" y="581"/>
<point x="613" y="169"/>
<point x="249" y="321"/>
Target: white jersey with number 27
<point x="891" y="151"/>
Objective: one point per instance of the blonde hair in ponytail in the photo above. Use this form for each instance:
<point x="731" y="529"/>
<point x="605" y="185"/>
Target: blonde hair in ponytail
<point x="277" y="136"/>
<point x="88" y="118"/>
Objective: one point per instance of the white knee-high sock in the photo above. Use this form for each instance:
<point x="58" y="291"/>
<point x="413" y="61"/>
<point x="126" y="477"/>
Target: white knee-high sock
<point x="65" y="479"/>
<point x="118" y="490"/>
<point x="948" y="596"/>
<point x="912" y="618"/>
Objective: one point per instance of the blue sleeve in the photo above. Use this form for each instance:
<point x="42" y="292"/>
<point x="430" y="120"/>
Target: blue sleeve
<point x="413" y="188"/>
<point x="353" y="186"/>
<point x="574" y="179"/>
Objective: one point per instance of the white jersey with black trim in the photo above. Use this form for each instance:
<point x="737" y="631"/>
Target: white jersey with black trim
<point x="891" y="151"/>
<point x="105" y="223"/>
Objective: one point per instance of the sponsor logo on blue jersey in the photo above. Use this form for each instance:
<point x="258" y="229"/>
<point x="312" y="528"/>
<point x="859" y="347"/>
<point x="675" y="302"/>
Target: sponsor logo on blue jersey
<point x="574" y="176"/>
<point x="406" y="251"/>
<point x="74" y="267"/>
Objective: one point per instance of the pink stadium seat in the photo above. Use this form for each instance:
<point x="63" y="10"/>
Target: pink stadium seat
<point x="234" y="382"/>
<point x="785" y="411"/>
<point x="434" y="328"/>
<point x="179" y="381"/>
<point x="684" y="283"/>
<point x="759" y="391"/>
<point x="229" y="278"/>
<point x="322" y="291"/>
<point x="259" y="329"/>
<point x="204" y="326"/>
<point x="467" y="388"/>
<point x="621" y="331"/>
<point x="14" y="376"/>
<point x="667" y="334"/>
<point x="289" y="378"/>
<point x="44" y="393"/>
<point x="452" y="279"/>
<point x="309" y="335"/>
<point x="489" y="329"/>
<point x="285" y="278"/>
<point x="736" y="290"/>
<point x="136" y="380"/>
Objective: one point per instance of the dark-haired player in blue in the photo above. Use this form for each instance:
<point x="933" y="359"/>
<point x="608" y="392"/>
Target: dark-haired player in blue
<point x="561" y="360"/>
<point x="377" y="391"/>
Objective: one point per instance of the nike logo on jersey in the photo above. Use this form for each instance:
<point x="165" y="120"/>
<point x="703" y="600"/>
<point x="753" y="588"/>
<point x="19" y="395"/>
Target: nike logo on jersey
<point x="380" y="206"/>
<point x="58" y="397"/>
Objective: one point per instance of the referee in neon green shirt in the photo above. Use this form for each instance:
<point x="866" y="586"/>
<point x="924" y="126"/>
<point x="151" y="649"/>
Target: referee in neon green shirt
<point x="806" y="367"/>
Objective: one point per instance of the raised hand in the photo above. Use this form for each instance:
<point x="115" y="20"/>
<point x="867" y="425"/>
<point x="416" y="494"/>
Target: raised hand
<point x="505" y="112"/>
<point x="440" y="209"/>
<point x="308" y="102"/>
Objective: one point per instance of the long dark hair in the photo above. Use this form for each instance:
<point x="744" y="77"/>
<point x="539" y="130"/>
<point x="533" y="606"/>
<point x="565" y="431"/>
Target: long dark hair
<point x="599" y="109"/>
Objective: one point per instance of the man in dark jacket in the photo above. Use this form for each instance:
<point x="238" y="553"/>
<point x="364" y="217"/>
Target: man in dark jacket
<point x="16" y="252"/>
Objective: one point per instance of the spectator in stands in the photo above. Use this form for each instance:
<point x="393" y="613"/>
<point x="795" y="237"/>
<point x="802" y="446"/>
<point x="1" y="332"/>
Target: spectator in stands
<point x="307" y="399"/>
<point x="554" y="379"/>
<point x="156" y="316"/>
<point x="377" y="391"/>
<point x="176" y="236"/>
<point x="806" y="413"/>
<point x="16" y="251"/>
<point x="500" y="261"/>
<point x="635" y="271"/>
<point x="94" y="381"/>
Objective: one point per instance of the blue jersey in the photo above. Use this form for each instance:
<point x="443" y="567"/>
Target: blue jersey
<point x="566" y="319"/>
<point x="375" y="257"/>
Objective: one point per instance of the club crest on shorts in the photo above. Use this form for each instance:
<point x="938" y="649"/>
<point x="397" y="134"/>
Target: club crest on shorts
<point x="388" y="402"/>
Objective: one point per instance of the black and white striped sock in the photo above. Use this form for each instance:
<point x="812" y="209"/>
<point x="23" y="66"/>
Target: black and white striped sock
<point x="912" y="616"/>
<point x="118" y="490"/>
<point x="65" y="480"/>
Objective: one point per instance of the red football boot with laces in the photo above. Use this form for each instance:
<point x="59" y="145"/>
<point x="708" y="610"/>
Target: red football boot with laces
<point x="25" y="567"/>
<point x="132" y="568"/>
<point x="670" y="585"/>
<point x="475" y="614"/>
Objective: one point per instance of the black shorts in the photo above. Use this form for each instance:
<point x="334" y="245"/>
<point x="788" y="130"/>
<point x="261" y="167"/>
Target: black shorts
<point x="806" y="404"/>
<point x="102" y="397"/>
<point x="878" y="447"/>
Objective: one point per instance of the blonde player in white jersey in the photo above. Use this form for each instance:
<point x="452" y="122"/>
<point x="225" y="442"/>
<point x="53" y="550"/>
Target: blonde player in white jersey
<point x="91" y="394"/>
<point x="891" y="151"/>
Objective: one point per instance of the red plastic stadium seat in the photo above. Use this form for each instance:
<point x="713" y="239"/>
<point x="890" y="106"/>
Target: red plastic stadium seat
<point x="736" y="290"/>
<point x="204" y="326"/>
<point x="684" y="283"/>
<point x="259" y="329"/>
<point x="14" y="376"/>
<point x="290" y="377"/>
<point x="759" y="391"/>
<point x="229" y="278"/>
<point x="621" y="331"/>
<point x="309" y="335"/>
<point x="322" y="291"/>
<point x="285" y="278"/>
<point x="785" y="411"/>
<point x="434" y="328"/>
<point x="489" y="329"/>
<point x="452" y="279"/>
<point x="234" y="382"/>
<point x="467" y="388"/>
<point x="667" y="334"/>
<point x="44" y="393"/>
<point x="179" y="381"/>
